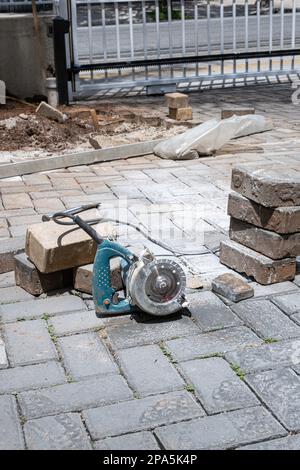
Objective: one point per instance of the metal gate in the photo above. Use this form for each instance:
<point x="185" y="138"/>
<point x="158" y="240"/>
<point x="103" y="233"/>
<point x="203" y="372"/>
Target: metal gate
<point x="156" y="44"/>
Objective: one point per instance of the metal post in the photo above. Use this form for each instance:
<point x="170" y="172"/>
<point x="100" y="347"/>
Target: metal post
<point x="60" y="28"/>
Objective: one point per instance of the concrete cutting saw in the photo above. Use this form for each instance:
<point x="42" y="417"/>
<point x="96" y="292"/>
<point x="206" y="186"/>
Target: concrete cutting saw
<point x="153" y="285"/>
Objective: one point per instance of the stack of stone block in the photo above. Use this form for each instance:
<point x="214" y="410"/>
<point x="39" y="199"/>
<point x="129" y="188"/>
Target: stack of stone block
<point x="265" y="223"/>
<point x="179" y="108"/>
<point x="57" y="257"/>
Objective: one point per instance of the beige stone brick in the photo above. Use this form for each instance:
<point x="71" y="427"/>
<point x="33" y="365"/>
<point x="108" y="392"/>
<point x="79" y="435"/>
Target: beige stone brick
<point x="263" y="269"/>
<point x="177" y="100"/>
<point x="280" y="220"/>
<point x="53" y="247"/>
<point x="181" y="114"/>
<point x="268" y="243"/>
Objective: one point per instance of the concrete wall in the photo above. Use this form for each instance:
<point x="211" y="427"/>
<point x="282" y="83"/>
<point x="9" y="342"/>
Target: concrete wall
<point x="20" y="64"/>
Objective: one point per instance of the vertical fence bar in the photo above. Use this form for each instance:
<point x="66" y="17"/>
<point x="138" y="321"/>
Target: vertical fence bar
<point x="258" y="32"/>
<point x="183" y="33"/>
<point x="90" y="37"/>
<point x="222" y="33"/>
<point x="293" y="31"/>
<point x="157" y="34"/>
<point x="60" y="28"/>
<point x="103" y="21"/>
<point x="208" y="14"/>
<point x="131" y="35"/>
<point x="246" y="33"/>
<point x="118" y="46"/>
<point x="145" y="36"/>
<point x="234" y="33"/>
<point x="271" y="32"/>
<point x="169" y="7"/>
<point x="74" y="35"/>
<point x="281" y="31"/>
<point x="196" y="26"/>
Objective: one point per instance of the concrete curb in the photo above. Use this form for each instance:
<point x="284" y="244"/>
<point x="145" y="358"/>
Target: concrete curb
<point x="75" y="159"/>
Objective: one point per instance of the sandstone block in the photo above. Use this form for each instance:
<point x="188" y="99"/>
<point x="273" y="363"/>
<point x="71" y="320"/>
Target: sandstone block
<point x="177" y="100"/>
<point x="44" y="109"/>
<point x="263" y="269"/>
<point x="268" y="185"/>
<point x="8" y="249"/>
<point x="280" y="220"/>
<point x="229" y="112"/>
<point x="53" y="247"/>
<point x="181" y="114"/>
<point x="232" y="287"/>
<point x="36" y="283"/>
<point x="268" y="243"/>
<point x="83" y="277"/>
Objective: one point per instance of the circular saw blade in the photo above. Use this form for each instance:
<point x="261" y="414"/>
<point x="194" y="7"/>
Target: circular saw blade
<point x="157" y="287"/>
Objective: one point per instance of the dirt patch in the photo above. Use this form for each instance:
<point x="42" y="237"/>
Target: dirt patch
<point x="22" y="130"/>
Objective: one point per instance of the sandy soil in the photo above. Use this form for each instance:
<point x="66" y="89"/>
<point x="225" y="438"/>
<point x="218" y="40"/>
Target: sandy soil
<point x="22" y="132"/>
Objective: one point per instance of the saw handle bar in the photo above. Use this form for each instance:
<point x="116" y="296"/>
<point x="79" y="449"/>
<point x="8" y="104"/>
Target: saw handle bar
<point x="76" y="220"/>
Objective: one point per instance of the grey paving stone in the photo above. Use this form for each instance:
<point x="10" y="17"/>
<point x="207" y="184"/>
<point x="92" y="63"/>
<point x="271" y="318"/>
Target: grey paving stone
<point x="60" y="432"/>
<point x="266" y="319"/>
<point x="139" y="415"/>
<point x="296" y="318"/>
<point x="148" y="370"/>
<point x="13" y="294"/>
<point x="297" y="369"/>
<point x="210" y="312"/>
<point x="3" y="356"/>
<point x="7" y="279"/>
<point x="11" y="437"/>
<point x="97" y="391"/>
<point x="223" y="431"/>
<point x="28" y="342"/>
<point x="77" y="322"/>
<point x="39" y="307"/>
<point x="284" y="443"/>
<point x="216" y="385"/>
<point x="85" y="355"/>
<point x="143" y="440"/>
<point x="280" y="390"/>
<point x="273" y="289"/>
<point x="267" y="356"/>
<point x="138" y="334"/>
<point x="31" y="377"/>
<point x="216" y="342"/>
<point x="297" y="280"/>
<point x="289" y="303"/>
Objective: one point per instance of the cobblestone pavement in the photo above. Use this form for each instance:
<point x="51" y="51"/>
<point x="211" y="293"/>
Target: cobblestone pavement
<point x="226" y="377"/>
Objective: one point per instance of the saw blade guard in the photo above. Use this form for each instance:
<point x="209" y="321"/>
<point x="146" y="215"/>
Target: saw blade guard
<point x="157" y="286"/>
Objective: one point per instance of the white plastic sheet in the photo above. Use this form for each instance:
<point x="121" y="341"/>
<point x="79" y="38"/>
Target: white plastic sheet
<point x="210" y="136"/>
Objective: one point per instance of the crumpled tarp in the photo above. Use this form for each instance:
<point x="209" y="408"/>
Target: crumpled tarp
<point x="210" y="136"/>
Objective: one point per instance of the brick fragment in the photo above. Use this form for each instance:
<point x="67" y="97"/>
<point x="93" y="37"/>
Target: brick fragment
<point x="268" y="243"/>
<point x="8" y="249"/>
<point x="229" y="112"/>
<point x="36" y="283"/>
<point x="83" y="277"/>
<point x="177" y="100"/>
<point x="232" y="287"/>
<point x="279" y="220"/>
<point x="263" y="269"/>
<point x="44" y="109"/>
<point x="181" y="114"/>
<point x="268" y="185"/>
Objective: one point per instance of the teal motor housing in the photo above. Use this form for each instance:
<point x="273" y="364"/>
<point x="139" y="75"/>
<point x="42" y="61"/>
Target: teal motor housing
<point x="103" y="292"/>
